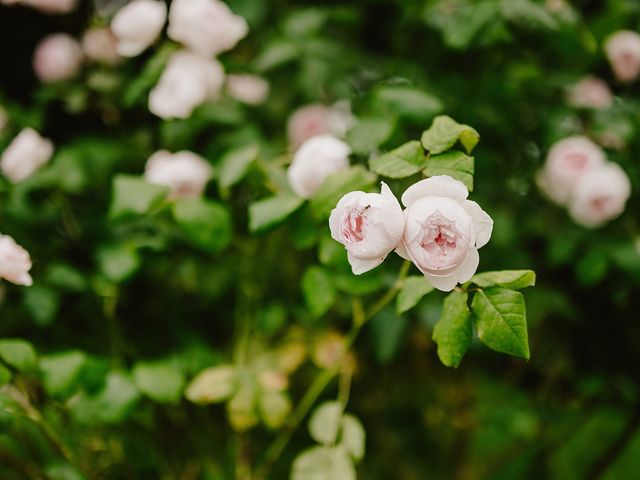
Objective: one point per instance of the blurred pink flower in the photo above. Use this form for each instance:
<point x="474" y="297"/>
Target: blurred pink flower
<point x="46" y="6"/>
<point x="15" y="262"/>
<point x="99" y="45"/>
<point x="184" y="172"/>
<point x="249" y="89"/>
<point x="57" y="57"/>
<point x="590" y="92"/>
<point x="25" y="154"/>
<point x="623" y="51"/>
<point x="137" y="25"/>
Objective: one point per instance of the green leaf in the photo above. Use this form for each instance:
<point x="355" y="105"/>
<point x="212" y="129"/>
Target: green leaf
<point x="322" y="463"/>
<point x="337" y="185"/>
<point x="318" y="290"/>
<point x="206" y="224"/>
<point x="444" y="132"/>
<point x="404" y="161"/>
<point x="42" y="302"/>
<point x="324" y="424"/>
<point x="241" y="409"/>
<point x="111" y="404"/>
<point x="235" y="164"/>
<point x="412" y="291"/>
<point x="353" y="436"/>
<point x="464" y="23"/>
<point x="161" y="381"/>
<point x="387" y="330"/>
<point x="60" y="371"/>
<point x="212" y="385"/>
<point x="5" y="375"/>
<point x="132" y="195"/>
<point x="368" y="134"/>
<point x="408" y="101"/>
<point x="501" y="321"/>
<point x="529" y="14"/>
<point x="271" y="211"/>
<point x="118" y="262"/>
<point x="274" y="408"/>
<point x="513" y="279"/>
<point x="454" y="331"/>
<point x="149" y="76"/>
<point x="455" y="164"/>
<point x="18" y="354"/>
<point x="275" y="53"/>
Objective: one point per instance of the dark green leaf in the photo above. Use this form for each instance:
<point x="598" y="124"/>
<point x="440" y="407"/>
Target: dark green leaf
<point x="454" y="331"/>
<point x="453" y="163"/>
<point x="206" y="224"/>
<point x="401" y="162"/>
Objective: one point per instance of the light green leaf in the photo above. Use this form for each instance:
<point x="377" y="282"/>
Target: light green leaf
<point x="453" y="163"/>
<point x="60" y="371"/>
<point x="275" y="53"/>
<point x="118" y="262"/>
<point x="412" y="291"/>
<point x="274" y="407"/>
<point x="235" y="164"/>
<point x="18" y="354"/>
<point x="368" y="134"/>
<point x="241" y="409"/>
<point x="337" y="185"/>
<point x="404" y="161"/>
<point x="271" y="211"/>
<point x="5" y="375"/>
<point x="322" y="463"/>
<point x="324" y="424"/>
<point x="454" y="331"/>
<point x="206" y="224"/>
<point x="161" y="381"/>
<point x="513" y="279"/>
<point x="444" y="132"/>
<point x="110" y="405"/>
<point x="132" y="195"/>
<point x="319" y="292"/>
<point x="501" y="321"/>
<point x="408" y="101"/>
<point x="212" y="385"/>
<point x="353" y="436"/>
<point x="529" y="13"/>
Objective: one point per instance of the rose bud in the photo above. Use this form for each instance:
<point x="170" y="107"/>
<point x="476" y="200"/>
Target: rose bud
<point x="99" y="45"/>
<point x="185" y="173"/>
<point x="590" y="92"/>
<point x="57" y="57"/>
<point x="566" y="162"/>
<point x="26" y="154"/>
<point x="623" y="51"/>
<point x="186" y="83"/>
<point x="600" y="195"/>
<point x="208" y="27"/>
<point x="314" y="161"/>
<point x="369" y="225"/>
<point x="248" y="89"/>
<point x="137" y="25"/>
<point x="443" y="231"/>
<point x="15" y="262"/>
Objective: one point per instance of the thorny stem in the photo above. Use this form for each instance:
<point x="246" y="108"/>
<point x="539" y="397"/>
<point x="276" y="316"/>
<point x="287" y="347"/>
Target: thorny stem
<point x="323" y="378"/>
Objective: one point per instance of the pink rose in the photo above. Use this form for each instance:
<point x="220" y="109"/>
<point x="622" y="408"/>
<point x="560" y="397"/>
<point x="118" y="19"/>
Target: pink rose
<point x="99" y="45"/>
<point x="137" y="25"/>
<point x="623" y="51"/>
<point x="590" y="92"/>
<point x="307" y="122"/>
<point x="443" y="231"/>
<point x="57" y="57"/>
<point x="185" y="173"/>
<point x="25" y="154"/>
<point x="15" y="262"/>
<point x="369" y="225"/>
<point x="248" y="89"/>
<point x="566" y="162"/>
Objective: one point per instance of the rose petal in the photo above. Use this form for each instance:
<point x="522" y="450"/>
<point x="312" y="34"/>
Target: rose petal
<point x="469" y="266"/>
<point x="482" y="222"/>
<point x="438" y="186"/>
<point x="444" y="283"/>
<point x="359" y="265"/>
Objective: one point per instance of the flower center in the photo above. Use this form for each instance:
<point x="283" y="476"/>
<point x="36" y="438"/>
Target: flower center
<point x="353" y="226"/>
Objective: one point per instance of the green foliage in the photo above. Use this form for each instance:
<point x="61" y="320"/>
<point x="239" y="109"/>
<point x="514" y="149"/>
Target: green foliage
<point x="134" y="196"/>
<point x="455" y="164"/>
<point x="513" y="279"/>
<point x="206" y="224"/>
<point x="412" y="291"/>
<point x="60" y="371"/>
<point x="454" y="331"/>
<point x="161" y="381"/>
<point x="212" y="385"/>
<point x="401" y="162"/>
<point x="235" y="164"/>
<point x="338" y="184"/>
<point x="18" y="353"/>
<point x="444" y="132"/>
<point x="319" y="291"/>
<point x="271" y="211"/>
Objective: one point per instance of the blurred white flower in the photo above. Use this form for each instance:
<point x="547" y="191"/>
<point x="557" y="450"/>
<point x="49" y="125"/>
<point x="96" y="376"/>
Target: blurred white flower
<point x="57" y="57"/>
<point x="369" y="225"/>
<point x="443" y="231"/>
<point x="590" y="92"/>
<point x="15" y="262"/>
<point x="99" y="45"/>
<point x="600" y="195"/>
<point x="25" y="154"/>
<point x="317" y="119"/>
<point x="137" y="25"/>
<point x="623" y="51"/>
<point x="187" y="82"/>
<point x="208" y="27"/>
<point x="46" y="6"/>
<point x="184" y="172"/>
<point x="566" y="162"/>
<point x="249" y="89"/>
<point x="314" y="161"/>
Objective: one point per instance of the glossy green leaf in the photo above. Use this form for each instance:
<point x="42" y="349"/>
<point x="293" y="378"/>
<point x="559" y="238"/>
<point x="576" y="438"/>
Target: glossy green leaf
<point x="501" y="321"/>
<point x="404" y="161"/>
<point x="513" y="279"/>
<point x="453" y="163"/>
<point x="412" y="291"/>
<point x="368" y="134"/>
<point x="271" y="211"/>
<point x="205" y="223"/>
<point x="454" y="331"/>
<point x="319" y="291"/>
<point x="444" y="132"/>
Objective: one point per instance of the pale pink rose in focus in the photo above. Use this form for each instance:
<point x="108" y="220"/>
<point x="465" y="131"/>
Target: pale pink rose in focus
<point x="314" y="161"/>
<point x="184" y="172"/>
<point x="369" y="225"/>
<point x="249" y="89"/>
<point x="137" y="26"/>
<point x="600" y="195"/>
<point x="590" y="92"/>
<point x="25" y="154"/>
<point x="99" y="45"/>
<point x="15" y="262"/>
<point x="443" y="231"/>
<point x="623" y="51"/>
<point x="57" y="57"/>
<point x="566" y="162"/>
<point x="208" y="27"/>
